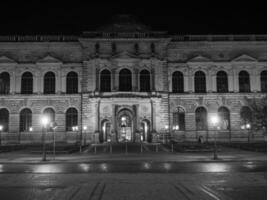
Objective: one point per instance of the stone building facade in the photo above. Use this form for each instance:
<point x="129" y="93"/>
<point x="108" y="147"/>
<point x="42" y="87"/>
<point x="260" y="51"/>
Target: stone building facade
<point x="125" y="81"/>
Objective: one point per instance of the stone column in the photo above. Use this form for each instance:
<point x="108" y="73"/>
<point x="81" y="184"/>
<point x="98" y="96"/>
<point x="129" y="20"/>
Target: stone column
<point x="236" y="82"/>
<point x="97" y="80"/>
<point x="213" y="83"/>
<point x="12" y="83"/>
<point x="58" y="82"/>
<point x="153" y="79"/>
<point x="136" y="80"/>
<point x="113" y="80"/>
<point x="209" y="82"/>
<point x="190" y="82"/>
<point x="18" y="84"/>
<point x="64" y="84"/>
<point x="231" y="83"/>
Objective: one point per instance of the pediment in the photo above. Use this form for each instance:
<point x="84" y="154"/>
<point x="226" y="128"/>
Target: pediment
<point x="244" y="58"/>
<point x="5" y="59"/>
<point x="124" y="54"/>
<point x="49" y="59"/>
<point x="199" y="58"/>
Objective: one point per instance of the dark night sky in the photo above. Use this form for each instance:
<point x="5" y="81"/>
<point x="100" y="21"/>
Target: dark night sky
<point x="73" y="17"/>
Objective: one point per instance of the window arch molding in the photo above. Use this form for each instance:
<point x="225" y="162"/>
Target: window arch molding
<point x="222" y="85"/>
<point x="71" y="118"/>
<point x="244" y="81"/>
<point x="5" y="82"/>
<point x="72" y="82"/>
<point x="200" y="81"/>
<point x="49" y="82"/>
<point x="105" y="80"/>
<point x="145" y="84"/>
<point x="125" y="82"/>
<point x="177" y="80"/>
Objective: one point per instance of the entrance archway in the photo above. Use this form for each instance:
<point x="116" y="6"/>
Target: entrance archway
<point x="145" y="131"/>
<point x="104" y="135"/>
<point x="125" y="125"/>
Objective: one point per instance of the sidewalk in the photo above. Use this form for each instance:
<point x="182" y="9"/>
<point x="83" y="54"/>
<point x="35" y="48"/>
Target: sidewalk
<point x="225" y="155"/>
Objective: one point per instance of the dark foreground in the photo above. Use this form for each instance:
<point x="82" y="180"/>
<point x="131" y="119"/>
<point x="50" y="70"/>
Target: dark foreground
<point x="117" y="180"/>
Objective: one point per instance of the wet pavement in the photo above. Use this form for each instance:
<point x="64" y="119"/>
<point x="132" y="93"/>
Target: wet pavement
<point x="137" y="167"/>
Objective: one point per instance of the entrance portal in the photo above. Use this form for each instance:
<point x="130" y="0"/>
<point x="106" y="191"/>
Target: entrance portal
<point x="125" y="126"/>
<point x="145" y="131"/>
<point x="105" y="131"/>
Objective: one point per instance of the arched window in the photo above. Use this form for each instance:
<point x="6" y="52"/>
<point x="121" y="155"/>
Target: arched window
<point x="179" y="119"/>
<point x="224" y="116"/>
<point x="200" y="82"/>
<point x="25" y="121"/>
<point x="4" y="119"/>
<point x="177" y="82"/>
<point x="27" y="83"/>
<point x="125" y="80"/>
<point x="244" y="82"/>
<point x="144" y="81"/>
<point x="105" y="81"/>
<point x="49" y="83"/>
<point x="72" y="83"/>
<point x="97" y="47"/>
<point x="50" y="114"/>
<point x="201" y="118"/>
<point x="4" y="83"/>
<point x="113" y="48"/>
<point x="222" y="82"/>
<point x="152" y="48"/>
<point x="245" y="115"/>
<point x="71" y="118"/>
<point x="264" y="81"/>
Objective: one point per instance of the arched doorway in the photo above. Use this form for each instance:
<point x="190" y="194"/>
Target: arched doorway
<point x="145" y="131"/>
<point x="105" y="131"/>
<point x="125" y="126"/>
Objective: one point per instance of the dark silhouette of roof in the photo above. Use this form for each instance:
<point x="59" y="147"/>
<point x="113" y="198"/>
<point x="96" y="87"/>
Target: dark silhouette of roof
<point x="124" y="23"/>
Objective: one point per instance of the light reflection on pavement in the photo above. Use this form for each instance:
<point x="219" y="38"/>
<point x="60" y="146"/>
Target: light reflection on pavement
<point x="136" y="167"/>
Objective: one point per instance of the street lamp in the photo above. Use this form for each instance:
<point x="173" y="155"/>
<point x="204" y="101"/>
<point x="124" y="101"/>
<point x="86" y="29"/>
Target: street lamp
<point x="247" y="127"/>
<point x="1" y="129"/>
<point x="76" y="128"/>
<point x="45" y="121"/>
<point x="53" y="125"/>
<point x="85" y="137"/>
<point x="165" y="134"/>
<point x="214" y="119"/>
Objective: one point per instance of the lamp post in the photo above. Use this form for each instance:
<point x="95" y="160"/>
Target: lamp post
<point x="165" y="134"/>
<point x="214" y="119"/>
<point x="75" y="129"/>
<point x="247" y="128"/>
<point x="1" y="129"/>
<point x="85" y="137"/>
<point x="54" y="126"/>
<point x="45" y="121"/>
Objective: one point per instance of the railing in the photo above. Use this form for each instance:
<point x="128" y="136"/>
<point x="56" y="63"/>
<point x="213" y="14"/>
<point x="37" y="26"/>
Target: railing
<point x="219" y="37"/>
<point x="38" y="38"/>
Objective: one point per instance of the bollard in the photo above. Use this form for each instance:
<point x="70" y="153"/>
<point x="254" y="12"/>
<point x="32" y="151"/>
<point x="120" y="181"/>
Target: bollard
<point x="141" y="148"/>
<point x="157" y="148"/>
<point x="172" y="148"/>
<point x="95" y="149"/>
<point x="110" y="148"/>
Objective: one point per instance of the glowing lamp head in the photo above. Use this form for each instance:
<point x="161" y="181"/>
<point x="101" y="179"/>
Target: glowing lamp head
<point x="166" y="127"/>
<point x="30" y="129"/>
<point x="45" y="120"/>
<point x="214" y="119"/>
<point x="248" y="126"/>
<point x="85" y="128"/>
<point x="1" y="127"/>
